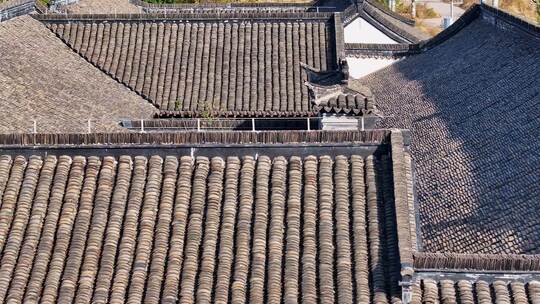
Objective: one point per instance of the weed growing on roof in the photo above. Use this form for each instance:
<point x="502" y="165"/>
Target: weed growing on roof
<point x="207" y="110"/>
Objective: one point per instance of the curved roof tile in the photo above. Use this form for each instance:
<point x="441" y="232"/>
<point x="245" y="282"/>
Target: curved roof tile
<point x="222" y="66"/>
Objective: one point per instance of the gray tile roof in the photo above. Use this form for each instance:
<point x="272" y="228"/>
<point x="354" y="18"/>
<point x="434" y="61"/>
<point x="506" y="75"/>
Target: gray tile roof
<point x="335" y="92"/>
<point x="343" y="99"/>
<point x="472" y="104"/>
<point x="392" y="24"/>
<point x="376" y="50"/>
<point x="230" y="67"/>
<point x="100" y="6"/>
<point x="41" y="79"/>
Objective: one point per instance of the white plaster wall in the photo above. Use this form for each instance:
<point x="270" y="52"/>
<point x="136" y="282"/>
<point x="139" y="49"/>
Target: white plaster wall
<point x="339" y="122"/>
<point x="360" y="31"/>
<point x="360" y="67"/>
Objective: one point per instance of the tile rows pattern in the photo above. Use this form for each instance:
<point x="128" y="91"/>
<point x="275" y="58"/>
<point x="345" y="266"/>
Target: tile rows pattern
<point x="472" y="104"/>
<point x="350" y="103"/>
<point x="250" y="68"/>
<point x="177" y="229"/>
<point x="470" y="292"/>
<point x="41" y="79"/>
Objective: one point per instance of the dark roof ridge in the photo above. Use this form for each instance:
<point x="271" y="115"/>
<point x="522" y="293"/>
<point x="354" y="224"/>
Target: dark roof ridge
<point x="384" y="9"/>
<point x="469" y="16"/>
<point x="380" y="50"/>
<point x="236" y="114"/>
<point x="375" y="17"/>
<point x="379" y="136"/>
<point x="15" y="8"/>
<point x="477" y="262"/>
<point x="201" y="16"/>
<point x="491" y="14"/>
<point x="220" y="5"/>
<point x="495" y="15"/>
<point x="12" y="3"/>
<point x="338" y="75"/>
<point x="339" y="38"/>
<point x="404" y="49"/>
<point x="401" y="203"/>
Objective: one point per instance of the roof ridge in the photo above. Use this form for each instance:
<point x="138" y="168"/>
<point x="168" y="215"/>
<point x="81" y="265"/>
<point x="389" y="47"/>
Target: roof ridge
<point x="185" y="16"/>
<point x="11" y="3"/>
<point x="405" y="49"/>
<point x="178" y="138"/>
<point x="15" y="8"/>
<point x="467" y="18"/>
<point x="477" y="261"/>
<point x="219" y="5"/>
<point x="476" y="11"/>
<point x="401" y="204"/>
<point x="381" y="50"/>
<point x="495" y="14"/>
<point x="376" y="17"/>
<point x="384" y="9"/>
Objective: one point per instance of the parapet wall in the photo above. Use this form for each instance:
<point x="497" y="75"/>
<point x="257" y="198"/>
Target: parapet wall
<point x="186" y="16"/>
<point x="216" y="7"/>
<point x="508" y="21"/>
<point x="477" y="262"/>
<point x="56" y="4"/>
<point x="176" y="138"/>
<point x="15" y="8"/>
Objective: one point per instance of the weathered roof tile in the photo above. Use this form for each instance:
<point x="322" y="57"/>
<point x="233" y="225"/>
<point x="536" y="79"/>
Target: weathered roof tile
<point x="228" y="67"/>
<point x="153" y="228"/>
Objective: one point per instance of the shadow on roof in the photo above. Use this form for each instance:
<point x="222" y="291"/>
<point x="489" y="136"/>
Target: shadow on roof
<point x="472" y="105"/>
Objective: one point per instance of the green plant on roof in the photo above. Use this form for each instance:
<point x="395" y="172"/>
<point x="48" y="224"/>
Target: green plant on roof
<point x="207" y="111"/>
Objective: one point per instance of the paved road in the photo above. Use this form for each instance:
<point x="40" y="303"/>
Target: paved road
<point x="443" y="9"/>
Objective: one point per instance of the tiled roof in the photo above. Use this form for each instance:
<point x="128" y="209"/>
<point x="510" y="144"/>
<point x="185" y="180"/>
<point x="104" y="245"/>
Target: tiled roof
<point x="100" y="6"/>
<point x="13" y="8"/>
<point x="229" y="228"/>
<point x="334" y="92"/>
<point x="342" y="99"/>
<point x="475" y="278"/>
<point x="471" y="103"/>
<point x="373" y="50"/>
<point x="475" y="291"/>
<point x="395" y="26"/>
<point x="244" y="7"/>
<point x="43" y="80"/>
<point x="230" y="67"/>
